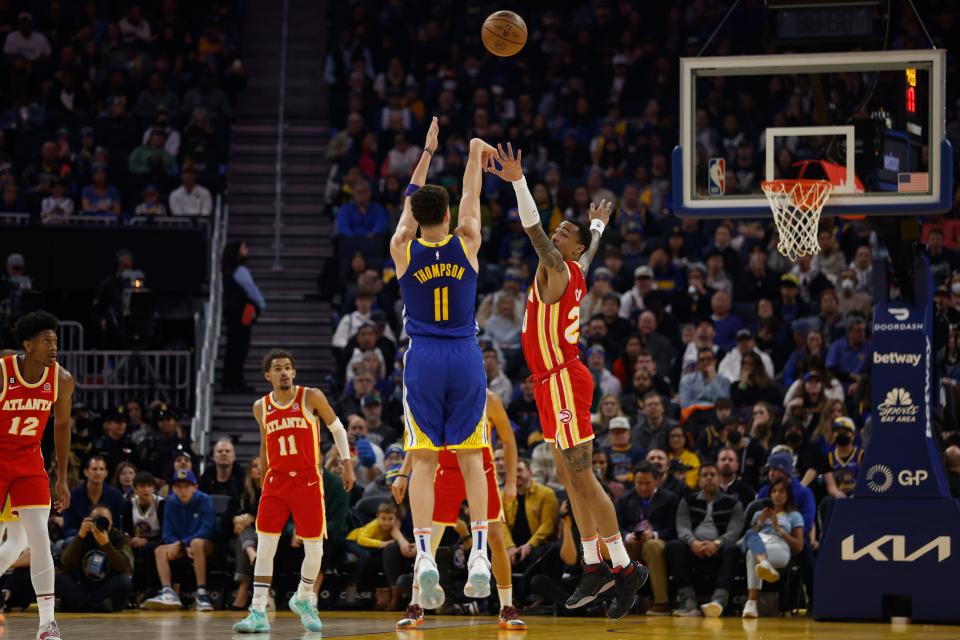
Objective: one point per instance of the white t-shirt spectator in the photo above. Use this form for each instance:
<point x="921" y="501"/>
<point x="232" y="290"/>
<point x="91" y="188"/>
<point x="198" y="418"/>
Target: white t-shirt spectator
<point x="30" y="47"/>
<point x="54" y="207"/>
<point x="402" y="163"/>
<point x="193" y="203"/>
<point x="140" y="31"/>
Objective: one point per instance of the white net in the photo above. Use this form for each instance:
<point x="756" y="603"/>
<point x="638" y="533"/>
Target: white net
<point x="796" y="208"/>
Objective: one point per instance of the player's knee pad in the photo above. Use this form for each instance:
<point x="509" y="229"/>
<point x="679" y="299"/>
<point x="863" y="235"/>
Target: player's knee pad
<point x="312" y="557"/>
<point x="266" y="550"/>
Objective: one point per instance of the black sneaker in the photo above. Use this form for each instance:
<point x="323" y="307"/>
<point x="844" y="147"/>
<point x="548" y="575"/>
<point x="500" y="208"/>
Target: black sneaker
<point x="629" y="581"/>
<point x="596" y="579"/>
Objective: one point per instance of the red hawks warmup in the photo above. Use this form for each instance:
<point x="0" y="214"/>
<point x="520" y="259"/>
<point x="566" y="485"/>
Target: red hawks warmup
<point x="563" y="386"/>
<point x="292" y="485"/>
<point x="32" y="384"/>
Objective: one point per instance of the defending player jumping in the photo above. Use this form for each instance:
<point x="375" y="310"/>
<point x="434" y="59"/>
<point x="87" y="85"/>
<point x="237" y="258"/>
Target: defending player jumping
<point x="444" y="383"/>
<point x="563" y="386"/>
<point x="32" y="384"/>
<point x="292" y="485"/>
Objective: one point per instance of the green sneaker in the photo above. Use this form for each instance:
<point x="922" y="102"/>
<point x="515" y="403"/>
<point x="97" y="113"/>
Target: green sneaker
<point x="307" y="611"/>
<point x="255" y="622"/>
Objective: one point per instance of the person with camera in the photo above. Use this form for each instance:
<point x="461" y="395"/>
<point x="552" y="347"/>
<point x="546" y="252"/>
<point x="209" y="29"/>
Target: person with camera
<point x="97" y="567"/>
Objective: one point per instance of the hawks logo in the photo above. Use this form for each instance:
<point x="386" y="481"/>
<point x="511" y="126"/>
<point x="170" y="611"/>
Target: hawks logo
<point x="565" y="416"/>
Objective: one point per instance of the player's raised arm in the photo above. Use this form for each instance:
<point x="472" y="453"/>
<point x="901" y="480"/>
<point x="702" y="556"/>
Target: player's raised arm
<point x="468" y="216"/>
<point x="599" y="219"/>
<point x="61" y="435"/>
<point x="317" y="402"/>
<point x="498" y="416"/>
<point x="407" y="226"/>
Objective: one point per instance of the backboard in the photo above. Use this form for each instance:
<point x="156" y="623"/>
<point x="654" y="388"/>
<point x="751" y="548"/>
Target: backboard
<point x="872" y="123"/>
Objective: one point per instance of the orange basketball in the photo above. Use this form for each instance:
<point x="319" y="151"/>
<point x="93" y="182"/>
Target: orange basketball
<point x="504" y="33"/>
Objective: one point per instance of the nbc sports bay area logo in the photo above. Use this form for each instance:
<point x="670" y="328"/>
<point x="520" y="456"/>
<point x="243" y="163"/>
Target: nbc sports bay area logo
<point x="898" y="406"/>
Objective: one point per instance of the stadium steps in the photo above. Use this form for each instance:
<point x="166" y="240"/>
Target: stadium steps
<point x="295" y="318"/>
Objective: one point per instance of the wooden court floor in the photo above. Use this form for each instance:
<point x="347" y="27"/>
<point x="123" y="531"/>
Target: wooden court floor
<point x="379" y="626"/>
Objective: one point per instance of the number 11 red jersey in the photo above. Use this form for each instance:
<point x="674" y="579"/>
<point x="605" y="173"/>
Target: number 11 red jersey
<point x="551" y="332"/>
<point x="293" y="438"/>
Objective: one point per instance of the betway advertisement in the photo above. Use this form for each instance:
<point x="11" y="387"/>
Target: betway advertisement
<point x="901" y="459"/>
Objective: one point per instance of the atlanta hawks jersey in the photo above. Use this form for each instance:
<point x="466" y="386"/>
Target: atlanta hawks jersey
<point x="550" y="335"/>
<point x="24" y="409"/>
<point x="293" y="438"/>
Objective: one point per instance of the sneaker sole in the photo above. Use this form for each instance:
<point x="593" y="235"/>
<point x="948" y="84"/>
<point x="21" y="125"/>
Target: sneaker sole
<point x="478" y="586"/>
<point x="161" y="606"/>
<point x="688" y="614"/>
<point x="767" y="575"/>
<point x="749" y="616"/>
<point x="252" y="631"/>
<point x="431" y="594"/>
<point x="413" y="624"/>
<point x="588" y="599"/>
<point x="711" y="610"/>
<point x="513" y="627"/>
<point x="617" y="616"/>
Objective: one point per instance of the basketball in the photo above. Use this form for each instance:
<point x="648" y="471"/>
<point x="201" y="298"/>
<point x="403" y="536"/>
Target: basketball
<point x="504" y="33"/>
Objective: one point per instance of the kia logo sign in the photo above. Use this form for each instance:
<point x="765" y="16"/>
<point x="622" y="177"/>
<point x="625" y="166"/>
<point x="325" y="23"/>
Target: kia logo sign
<point x="878" y="549"/>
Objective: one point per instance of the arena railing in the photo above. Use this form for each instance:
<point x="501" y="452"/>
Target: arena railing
<point x="70" y="336"/>
<point x="281" y="145"/>
<point x="208" y="334"/>
<point x="109" y="378"/>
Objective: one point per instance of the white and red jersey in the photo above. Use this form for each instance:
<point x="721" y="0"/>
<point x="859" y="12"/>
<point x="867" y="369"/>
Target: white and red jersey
<point x="551" y="332"/>
<point x="24" y="409"/>
<point x="292" y="433"/>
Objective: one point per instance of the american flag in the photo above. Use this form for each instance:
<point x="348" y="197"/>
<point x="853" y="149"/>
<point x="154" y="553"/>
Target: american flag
<point x="913" y="183"/>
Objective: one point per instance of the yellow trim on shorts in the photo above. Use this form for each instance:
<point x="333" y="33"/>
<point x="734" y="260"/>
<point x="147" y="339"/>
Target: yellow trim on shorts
<point x="264" y="533"/>
<point x="476" y="440"/>
<point x="33" y="506"/>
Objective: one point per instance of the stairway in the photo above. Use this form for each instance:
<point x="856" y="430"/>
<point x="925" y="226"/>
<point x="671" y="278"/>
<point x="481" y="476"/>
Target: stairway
<point x="295" y="318"/>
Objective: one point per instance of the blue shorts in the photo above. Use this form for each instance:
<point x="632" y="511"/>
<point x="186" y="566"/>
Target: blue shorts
<point x="444" y="394"/>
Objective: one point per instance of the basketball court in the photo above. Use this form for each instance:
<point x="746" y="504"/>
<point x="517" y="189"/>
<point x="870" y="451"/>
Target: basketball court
<point x="376" y="626"/>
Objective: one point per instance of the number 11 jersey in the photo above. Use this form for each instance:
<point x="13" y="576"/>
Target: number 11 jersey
<point x="292" y="433"/>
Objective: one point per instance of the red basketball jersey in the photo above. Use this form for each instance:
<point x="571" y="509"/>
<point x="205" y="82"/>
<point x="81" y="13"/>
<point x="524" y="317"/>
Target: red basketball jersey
<point x="293" y="438"/>
<point x="551" y="332"/>
<point x="24" y="408"/>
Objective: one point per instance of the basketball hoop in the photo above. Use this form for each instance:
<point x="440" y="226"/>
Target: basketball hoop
<point x="796" y="208"/>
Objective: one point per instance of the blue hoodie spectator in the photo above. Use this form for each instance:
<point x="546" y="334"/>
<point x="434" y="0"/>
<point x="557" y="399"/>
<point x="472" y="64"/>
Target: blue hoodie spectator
<point x="182" y="522"/>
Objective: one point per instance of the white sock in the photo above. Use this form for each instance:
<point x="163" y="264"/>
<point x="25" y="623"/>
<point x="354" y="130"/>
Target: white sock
<point x="305" y="590"/>
<point x="45" y="604"/>
<point x="618" y="553"/>
<point x="424" y="538"/>
<point x="261" y="590"/>
<point x="479" y="530"/>
<point x="506" y="595"/>
<point x="591" y="549"/>
<point x="415" y="596"/>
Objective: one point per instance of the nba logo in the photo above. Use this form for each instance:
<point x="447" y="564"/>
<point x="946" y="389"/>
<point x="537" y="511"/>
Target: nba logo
<point x="46" y="387"/>
<point x="717" y="177"/>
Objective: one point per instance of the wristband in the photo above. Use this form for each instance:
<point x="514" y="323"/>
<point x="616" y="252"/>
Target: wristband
<point x="411" y="189"/>
<point x="429" y="150"/>
<point x="597" y="225"/>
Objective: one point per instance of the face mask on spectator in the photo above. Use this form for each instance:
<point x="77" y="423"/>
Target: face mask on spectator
<point x="734" y="437"/>
<point x="846" y="285"/>
<point x="842" y="440"/>
<point x="793" y="438"/>
<point x="955" y="288"/>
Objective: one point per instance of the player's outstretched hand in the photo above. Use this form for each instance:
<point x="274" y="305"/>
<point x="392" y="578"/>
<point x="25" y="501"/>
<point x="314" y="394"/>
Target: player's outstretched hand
<point x="601" y="211"/>
<point x="62" y="502"/>
<point x="510" y="167"/>
<point x="433" y="135"/>
<point x="349" y="476"/>
<point x="399" y="488"/>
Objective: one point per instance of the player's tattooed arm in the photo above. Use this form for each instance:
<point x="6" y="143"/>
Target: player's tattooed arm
<point x="550" y="257"/>
<point x="599" y="212"/>
<point x="580" y="457"/>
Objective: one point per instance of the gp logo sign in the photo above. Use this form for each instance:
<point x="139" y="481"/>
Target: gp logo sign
<point x="898" y="407"/>
<point x="880" y="478"/>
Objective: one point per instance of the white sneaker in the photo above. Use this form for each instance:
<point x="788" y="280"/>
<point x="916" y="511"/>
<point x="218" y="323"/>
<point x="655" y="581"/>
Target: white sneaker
<point x="166" y="600"/>
<point x="750" y="609"/>
<point x="765" y="571"/>
<point x="478" y="577"/>
<point x="49" y="631"/>
<point x="428" y="578"/>
<point x="712" y="609"/>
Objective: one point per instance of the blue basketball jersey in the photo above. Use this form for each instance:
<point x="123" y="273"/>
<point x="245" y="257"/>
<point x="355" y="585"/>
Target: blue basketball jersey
<point x="439" y="290"/>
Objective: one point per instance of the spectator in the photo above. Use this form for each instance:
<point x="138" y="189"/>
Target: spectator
<point x="207" y="95"/>
<point x="243" y="516"/>
<point x="708" y="526"/>
<point x="511" y="288"/>
<point x="807" y="405"/>
<point x="151" y="155"/>
<point x="143" y="523"/>
<point x="603" y="469"/>
<point x="242" y="304"/>
<point x="94" y="491"/>
<point x="730" y="365"/>
<point x="188" y="530"/>
<point x="658" y="346"/>
<point x="725" y="323"/>
<point x="623" y="455"/>
<point x="846" y="357"/>
<point x="605" y="381"/>
<point x="703" y="338"/>
<point x="853" y="300"/>
<point x="224" y="477"/>
<point x="97" y="567"/>
<point x="812" y="353"/>
<point x="617" y="328"/>
<point x="504" y="329"/>
<point x="25" y="42"/>
<point x="862" y="266"/>
<point x="157" y="98"/>
<point x="361" y="218"/>
<point x="775" y="534"/>
<point x="57" y="205"/>
<point x="757" y="282"/>
<point x="729" y="481"/>
<point x="190" y="198"/>
<point x="718" y="278"/>
<point x="369" y="456"/>
<point x="377" y="534"/>
<point x="704" y="386"/>
<point x="952" y="457"/>
<point x="135" y="26"/>
<point x="531" y="518"/>
<point x="659" y="459"/>
<point x="635" y="300"/>
<point x="830" y="321"/>
<point x="653" y="424"/>
<point x="100" y="198"/>
<point x="844" y="461"/>
<point x="543" y="467"/>
<point x="780" y="467"/>
<point x="677" y="450"/>
<point x="123" y="478"/>
<point x="809" y="461"/>
<point x="754" y="384"/>
<point x="590" y="304"/>
<point x="116" y="445"/>
<point x="349" y="324"/>
<point x="168" y="445"/>
<point x="151" y="204"/>
<point x="792" y="305"/>
<point x="378" y="432"/>
<point x="497" y="380"/>
<point x="648" y="521"/>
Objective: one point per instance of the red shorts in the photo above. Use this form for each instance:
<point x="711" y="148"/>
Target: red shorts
<point x="449" y="492"/>
<point x="23" y="481"/>
<point x="297" y="493"/>
<point x="563" y="399"/>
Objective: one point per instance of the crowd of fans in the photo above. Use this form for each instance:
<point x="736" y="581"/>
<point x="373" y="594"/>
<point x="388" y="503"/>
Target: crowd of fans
<point x="116" y="110"/>
<point x="724" y="372"/>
